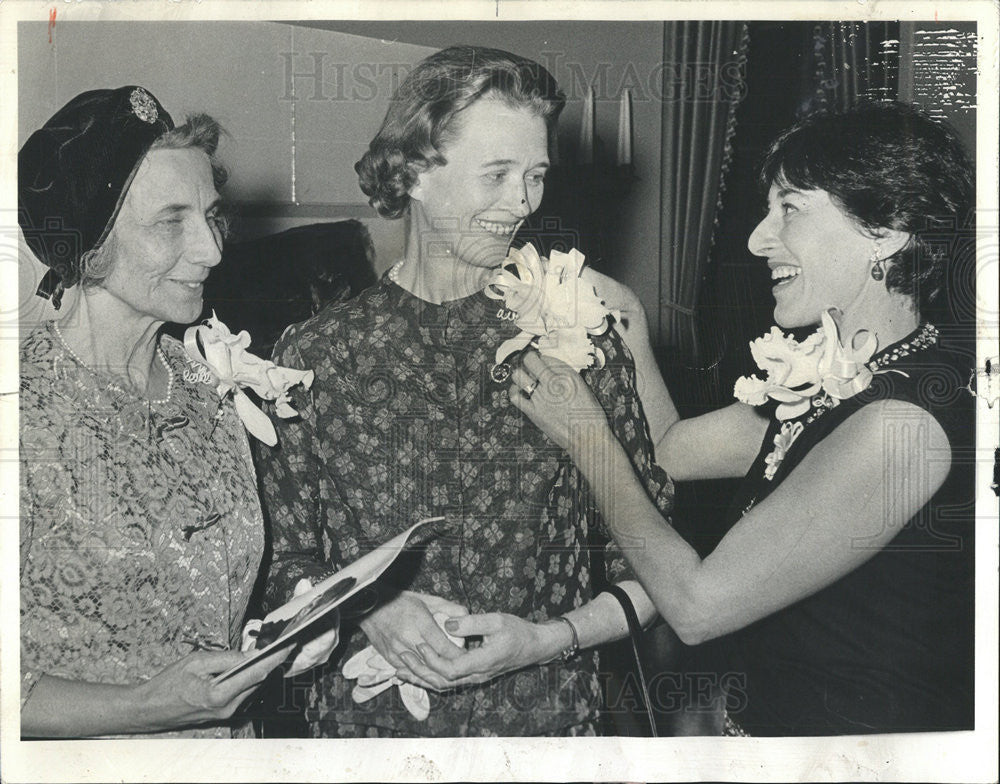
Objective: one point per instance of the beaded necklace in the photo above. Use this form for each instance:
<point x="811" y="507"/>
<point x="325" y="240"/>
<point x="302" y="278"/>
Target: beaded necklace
<point x="925" y="338"/>
<point x="111" y="384"/>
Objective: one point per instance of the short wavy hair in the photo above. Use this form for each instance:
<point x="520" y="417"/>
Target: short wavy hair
<point x="423" y="115"/>
<point x="889" y="166"/>
<point x="199" y="131"/>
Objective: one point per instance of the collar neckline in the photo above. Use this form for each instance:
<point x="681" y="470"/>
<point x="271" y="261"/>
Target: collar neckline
<point x="924" y="336"/>
<point x="390" y="282"/>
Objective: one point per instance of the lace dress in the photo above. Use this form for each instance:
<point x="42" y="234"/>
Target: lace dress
<point x="141" y="529"/>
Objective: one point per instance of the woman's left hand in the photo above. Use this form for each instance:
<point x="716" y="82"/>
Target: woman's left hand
<point x="508" y="643"/>
<point x="554" y="396"/>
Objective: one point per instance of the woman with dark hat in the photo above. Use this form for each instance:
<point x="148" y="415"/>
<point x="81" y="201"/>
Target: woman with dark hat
<point x="141" y="531"/>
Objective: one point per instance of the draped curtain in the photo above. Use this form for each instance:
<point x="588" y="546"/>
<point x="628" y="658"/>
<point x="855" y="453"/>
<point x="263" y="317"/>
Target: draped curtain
<point x="848" y="62"/>
<point x="704" y="78"/>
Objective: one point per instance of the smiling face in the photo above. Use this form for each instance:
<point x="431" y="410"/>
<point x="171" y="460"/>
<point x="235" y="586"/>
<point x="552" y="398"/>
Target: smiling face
<point x="818" y="256"/>
<point x="166" y="238"/>
<point x="493" y="180"/>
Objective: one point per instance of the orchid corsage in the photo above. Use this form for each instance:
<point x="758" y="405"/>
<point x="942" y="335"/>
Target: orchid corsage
<point x="819" y="371"/>
<point x="555" y="309"/>
<point x="230" y="366"/>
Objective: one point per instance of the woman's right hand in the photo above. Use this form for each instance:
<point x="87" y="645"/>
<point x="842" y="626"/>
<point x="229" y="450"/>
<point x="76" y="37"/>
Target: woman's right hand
<point x="407" y="622"/>
<point x="179" y="696"/>
<point x="184" y="692"/>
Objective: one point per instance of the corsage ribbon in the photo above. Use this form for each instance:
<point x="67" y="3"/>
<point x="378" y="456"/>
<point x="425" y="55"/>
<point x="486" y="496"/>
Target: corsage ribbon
<point x="231" y="366"/>
<point x="843" y="369"/>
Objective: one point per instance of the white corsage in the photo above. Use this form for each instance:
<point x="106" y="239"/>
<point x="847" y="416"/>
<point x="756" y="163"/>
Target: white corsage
<point x="553" y="307"/>
<point x="791" y="372"/>
<point x="797" y="373"/>
<point x="231" y="366"/>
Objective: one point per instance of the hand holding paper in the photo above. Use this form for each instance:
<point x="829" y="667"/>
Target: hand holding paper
<point x="290" y="622"/>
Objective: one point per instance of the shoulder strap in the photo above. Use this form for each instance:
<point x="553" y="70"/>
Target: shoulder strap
<point x="635" y="632"/>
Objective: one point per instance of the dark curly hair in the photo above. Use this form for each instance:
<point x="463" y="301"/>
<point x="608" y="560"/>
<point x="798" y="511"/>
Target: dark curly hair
<point x="423" y="115"/>
<point x="889" y="166"/>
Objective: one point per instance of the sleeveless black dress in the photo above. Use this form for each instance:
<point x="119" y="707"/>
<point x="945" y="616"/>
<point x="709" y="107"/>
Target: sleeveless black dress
<point x="889" y="647"/>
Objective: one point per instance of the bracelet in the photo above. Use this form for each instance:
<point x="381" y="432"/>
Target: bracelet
<point x="574" y="647"/>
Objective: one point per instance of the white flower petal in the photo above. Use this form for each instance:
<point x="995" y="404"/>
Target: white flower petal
<point x="751" y="390"/>
<point x="792" y="410"/>
<point x="224" y="355"/>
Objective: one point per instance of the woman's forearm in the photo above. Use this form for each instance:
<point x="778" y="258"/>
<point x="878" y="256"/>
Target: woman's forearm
<point x="666" y="565"/>
<point x="596" y="623"/>
<point x="657" y="404"/>
<point x="61" y="708"/>
<point x="721" y="444"/>
<point x="602" y="619"/>
<point x="183" y="694"/>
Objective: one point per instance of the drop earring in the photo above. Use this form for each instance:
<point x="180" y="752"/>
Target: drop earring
<point x="878" y="266"/>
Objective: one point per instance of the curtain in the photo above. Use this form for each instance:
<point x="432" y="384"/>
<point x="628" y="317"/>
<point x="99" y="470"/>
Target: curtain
<point x="704" y="79"/>
<point x="847" y="62"/>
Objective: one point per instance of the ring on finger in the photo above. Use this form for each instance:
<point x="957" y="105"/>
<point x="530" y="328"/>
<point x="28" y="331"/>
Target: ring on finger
<point x="531" y="388"/>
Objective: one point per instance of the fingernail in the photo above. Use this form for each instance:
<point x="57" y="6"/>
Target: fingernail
<point x="451" y="625"/>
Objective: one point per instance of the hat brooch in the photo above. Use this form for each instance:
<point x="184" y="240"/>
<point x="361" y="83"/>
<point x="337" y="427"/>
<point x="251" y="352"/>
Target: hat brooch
<point x="143" y="105"/>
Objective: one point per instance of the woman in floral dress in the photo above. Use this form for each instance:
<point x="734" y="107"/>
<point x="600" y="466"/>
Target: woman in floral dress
<point x="841" y="599"/>
<point x="140" y="528"/>
<point x="409" y="418"/>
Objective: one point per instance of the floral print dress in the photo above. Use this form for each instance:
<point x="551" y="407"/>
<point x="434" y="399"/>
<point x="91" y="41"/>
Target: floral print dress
<point x="141" y="529"/>
<point x="405" y="422"/>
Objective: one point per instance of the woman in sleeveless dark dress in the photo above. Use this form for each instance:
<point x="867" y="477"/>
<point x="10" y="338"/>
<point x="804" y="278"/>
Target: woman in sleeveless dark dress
<point x="840" y="601"/>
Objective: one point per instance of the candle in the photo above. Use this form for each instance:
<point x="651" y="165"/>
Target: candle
<point x="587" y="129"/>
<point x="624" y="157"/>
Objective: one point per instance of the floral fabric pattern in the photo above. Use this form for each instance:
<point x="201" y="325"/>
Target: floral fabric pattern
<point x="405" y="422"/>
<point x="141" y="529"/>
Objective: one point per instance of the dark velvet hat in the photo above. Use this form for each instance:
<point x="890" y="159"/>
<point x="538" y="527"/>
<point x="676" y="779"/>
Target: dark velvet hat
<point x="74" y="171"/>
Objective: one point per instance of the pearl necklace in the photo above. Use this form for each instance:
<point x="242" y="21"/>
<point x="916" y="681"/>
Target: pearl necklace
<point x="393" y="275"/>
<point x="111" y="384"/>
<point x="394" y="272"/>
